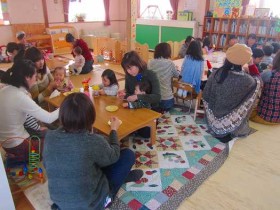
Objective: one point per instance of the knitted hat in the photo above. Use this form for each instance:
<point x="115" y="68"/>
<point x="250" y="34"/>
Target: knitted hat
<point x="239" y="54"/>
<point x="20" y="35"/>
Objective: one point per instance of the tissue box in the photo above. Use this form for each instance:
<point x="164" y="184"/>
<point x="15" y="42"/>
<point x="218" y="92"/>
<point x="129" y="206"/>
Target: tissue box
<point x="185" y="15"/>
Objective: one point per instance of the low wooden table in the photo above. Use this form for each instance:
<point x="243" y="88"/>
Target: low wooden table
<point x="57" y="61"/>
<point x="132" y="119"/>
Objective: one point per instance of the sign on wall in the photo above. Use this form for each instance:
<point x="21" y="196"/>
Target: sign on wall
<point x="227" y="8"/>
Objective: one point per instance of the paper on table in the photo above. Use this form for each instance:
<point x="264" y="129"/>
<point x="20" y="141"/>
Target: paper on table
<point x="54" y="94"/>
<point x="39" y="196"/>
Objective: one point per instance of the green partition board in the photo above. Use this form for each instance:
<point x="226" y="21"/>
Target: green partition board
<point x="147" y="34"/>
<point x="175" y="33"/>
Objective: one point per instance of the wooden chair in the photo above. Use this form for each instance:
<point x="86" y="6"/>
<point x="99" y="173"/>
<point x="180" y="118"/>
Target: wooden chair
<point x="172" y="49"/>
<point x="59" y="44"/>
<point x="176" y="48"/>
<point x="58" y="33"/>
<point x="191" y="95"/>
<point x="143" y="51"/>
<point x="121" y="49"/>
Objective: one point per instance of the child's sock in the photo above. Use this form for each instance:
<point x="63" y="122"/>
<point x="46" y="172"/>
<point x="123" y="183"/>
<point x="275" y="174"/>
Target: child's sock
<point x="185" y="93"/>
<point x="180" y="92"/>
<point x="134" y="175"/>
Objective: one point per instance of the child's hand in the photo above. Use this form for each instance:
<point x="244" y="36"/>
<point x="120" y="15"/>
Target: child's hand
<point x="125" y="105"/>
<point x="115" y="123"/>
<point x="52" y="85"/>
<point x="132" y="98"/>
<point x="121" y="94"/>
<point x="42" y="128"/>
<point x="101" y="92"/>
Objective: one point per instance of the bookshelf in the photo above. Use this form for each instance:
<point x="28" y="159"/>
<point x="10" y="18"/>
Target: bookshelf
<point x="219" y="29"/>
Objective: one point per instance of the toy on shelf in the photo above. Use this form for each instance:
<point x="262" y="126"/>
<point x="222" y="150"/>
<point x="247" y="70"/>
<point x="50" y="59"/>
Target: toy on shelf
<point x="22" y="174"/>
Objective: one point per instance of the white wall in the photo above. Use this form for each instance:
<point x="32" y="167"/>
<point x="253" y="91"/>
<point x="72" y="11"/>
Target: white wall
<point x="27" y="11"/>
<point x="31" y="11"/>
<point x="198" y="12"/>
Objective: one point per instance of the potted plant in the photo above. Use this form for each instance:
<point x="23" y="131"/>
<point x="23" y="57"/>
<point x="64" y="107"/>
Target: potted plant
<point x="80" y="17"/>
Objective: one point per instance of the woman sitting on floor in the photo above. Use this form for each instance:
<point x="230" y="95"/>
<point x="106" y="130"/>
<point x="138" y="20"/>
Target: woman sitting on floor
<point x="86" y="53"/>
<point x="268" y="110"/>
<point x="45" y="84"/>
<point x="15" y="106"/>
<point x="165" y="70"/>
<point x="230" y="94"/>
<point x="136" y="71"/>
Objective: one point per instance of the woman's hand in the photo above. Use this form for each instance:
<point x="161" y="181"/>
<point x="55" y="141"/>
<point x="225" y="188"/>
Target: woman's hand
<point x="115" y="123"/>
<point x="132" y="98"/>
<point x="121" y="94"/>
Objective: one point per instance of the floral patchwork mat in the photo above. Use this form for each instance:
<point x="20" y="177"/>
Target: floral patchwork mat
<point x="183" y="156"/>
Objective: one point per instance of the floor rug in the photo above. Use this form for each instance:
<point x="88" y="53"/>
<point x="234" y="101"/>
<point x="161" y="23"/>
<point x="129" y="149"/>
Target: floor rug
<point x="184" y="155"/>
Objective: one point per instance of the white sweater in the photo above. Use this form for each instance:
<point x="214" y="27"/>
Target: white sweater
<point x="14" y="107"/>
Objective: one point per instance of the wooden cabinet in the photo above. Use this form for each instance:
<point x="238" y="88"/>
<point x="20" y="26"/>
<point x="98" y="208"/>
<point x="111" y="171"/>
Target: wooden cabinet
<point x="58" y="42"/>
<point x="219" y="29"/>
<point x="35" y="34"/>
<point x="40" y="41"/>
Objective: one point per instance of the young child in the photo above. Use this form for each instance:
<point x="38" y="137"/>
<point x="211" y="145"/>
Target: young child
<point x="276" y="47"/>
<point x="21" y="38"/>
<point x="268" y="50"/>
<point x="85" y="169"/>
<point x="252" y="41"/>
<point x="63" y="84"/>
<point x="140" y="89"/>
<point x="77" y="67"/>
<point x="110" y="85"/>
<point x="206" y="46"/>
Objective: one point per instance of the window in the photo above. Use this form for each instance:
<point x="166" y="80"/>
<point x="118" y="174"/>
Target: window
<point x="4" y="13"/>
<point x="274" y="7"/>
<point x="89" y="9"/>
<point x="272" y="4"/>
<point x="154" y="9"/>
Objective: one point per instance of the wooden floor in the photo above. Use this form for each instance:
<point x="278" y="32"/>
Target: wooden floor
<point x="249" y="179"/>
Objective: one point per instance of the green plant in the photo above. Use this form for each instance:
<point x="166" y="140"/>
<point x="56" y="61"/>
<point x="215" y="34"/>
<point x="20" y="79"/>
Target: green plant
<point x="80" y="17"/>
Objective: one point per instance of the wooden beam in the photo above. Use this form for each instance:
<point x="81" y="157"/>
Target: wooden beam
<point x="207" y="7"/>
<point x="45" y="11"/>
